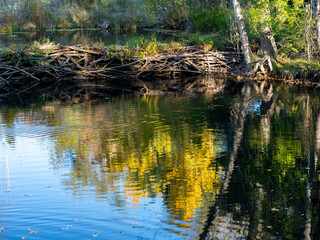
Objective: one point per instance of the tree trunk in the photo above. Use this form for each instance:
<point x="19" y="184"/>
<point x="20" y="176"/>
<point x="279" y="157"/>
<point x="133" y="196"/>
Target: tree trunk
<point x="317" y="17"/>
<point x="243" y="34"/>
<point x="317" y="139"/>
<point x="268" y="43"/>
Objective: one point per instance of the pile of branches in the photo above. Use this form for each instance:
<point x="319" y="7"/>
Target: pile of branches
<point x="22" y="70"/>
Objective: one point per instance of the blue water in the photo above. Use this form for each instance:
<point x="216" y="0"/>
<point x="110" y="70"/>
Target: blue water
<point x="233" y="165"/>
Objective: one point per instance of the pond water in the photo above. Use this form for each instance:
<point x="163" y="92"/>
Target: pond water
<point x="90" y="37"/>
<point x="227" y="165"/>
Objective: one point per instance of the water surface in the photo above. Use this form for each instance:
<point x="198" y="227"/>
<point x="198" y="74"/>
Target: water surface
<point x="230" y="165"/>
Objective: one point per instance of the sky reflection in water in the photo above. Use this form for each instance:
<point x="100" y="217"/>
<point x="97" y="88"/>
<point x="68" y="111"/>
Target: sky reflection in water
<point x="231" y="165"/>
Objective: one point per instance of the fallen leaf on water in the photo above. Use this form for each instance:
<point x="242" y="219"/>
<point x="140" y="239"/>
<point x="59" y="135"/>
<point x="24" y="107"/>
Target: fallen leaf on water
<point x="121" y="231"/>
<point x="96" y="234"/>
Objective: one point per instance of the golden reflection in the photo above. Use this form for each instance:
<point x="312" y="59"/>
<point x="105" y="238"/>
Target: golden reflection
<point x="129" y="148"/>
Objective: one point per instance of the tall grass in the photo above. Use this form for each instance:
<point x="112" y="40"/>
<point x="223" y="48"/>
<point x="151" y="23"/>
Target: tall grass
<point x="29" y="15"/>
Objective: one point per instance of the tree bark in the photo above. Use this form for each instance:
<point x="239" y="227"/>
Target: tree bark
<point x="268" y="43"/>
<point x="317" y="17"/>
<point x="243" y="34"/>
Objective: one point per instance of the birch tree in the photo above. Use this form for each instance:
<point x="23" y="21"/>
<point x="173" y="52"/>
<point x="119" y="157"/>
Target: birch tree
<point x="317" y="18"/>
<point x="243" y="34"/>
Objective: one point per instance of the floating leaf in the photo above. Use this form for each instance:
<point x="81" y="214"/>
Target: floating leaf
<point x="32" y="231"/>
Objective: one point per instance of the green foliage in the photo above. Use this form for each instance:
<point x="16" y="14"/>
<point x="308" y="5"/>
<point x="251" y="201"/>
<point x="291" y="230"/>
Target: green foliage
<point x="288" y="23"/>
<point x="136" y="47"/>
<point x="209" y="19"/>
<point x="48" y="14"/>
<point x="208" y="41"/>
<point x="7" y="29"/>
<point x="36" y="12"/>
<point x="11" y="54"/>
<point x="24" y="54"/>
<point x="288" y="20"/>
<point x="169" y="13"/>
<point x="44" y="41"/>
<point x="292" y="67"/>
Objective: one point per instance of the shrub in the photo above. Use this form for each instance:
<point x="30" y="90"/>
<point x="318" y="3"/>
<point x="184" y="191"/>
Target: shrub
<point x="209" y="19"/>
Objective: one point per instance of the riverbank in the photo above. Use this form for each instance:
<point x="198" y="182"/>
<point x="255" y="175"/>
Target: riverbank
<point x="46" y="69"/>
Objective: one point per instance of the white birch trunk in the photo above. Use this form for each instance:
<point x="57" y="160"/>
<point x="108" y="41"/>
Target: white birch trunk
<point x="317" y="17"/>
<point x="243" y="34"/>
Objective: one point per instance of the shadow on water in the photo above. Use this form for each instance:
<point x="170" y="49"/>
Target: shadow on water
<point x="76" y="91"/>
<point x="228" y="160"/>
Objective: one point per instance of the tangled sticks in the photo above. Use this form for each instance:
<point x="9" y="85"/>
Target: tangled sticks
<point x="23" y="70"/>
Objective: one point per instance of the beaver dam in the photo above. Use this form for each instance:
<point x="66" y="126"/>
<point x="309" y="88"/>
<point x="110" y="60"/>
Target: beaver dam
<point x="44" y="71"/>
<point x="23" y="70"/>
<point x="60" y="62"/>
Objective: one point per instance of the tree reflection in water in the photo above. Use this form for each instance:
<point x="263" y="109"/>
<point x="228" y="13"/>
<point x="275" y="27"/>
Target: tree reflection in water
<point x="240" y="162"/>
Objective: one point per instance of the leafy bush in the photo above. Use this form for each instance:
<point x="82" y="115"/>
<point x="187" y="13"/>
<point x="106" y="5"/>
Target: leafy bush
<point x="209" y="19"/>
<point x="169" y="13"/>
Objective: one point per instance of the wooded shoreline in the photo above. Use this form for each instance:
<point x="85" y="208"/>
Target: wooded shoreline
<point x="44" y="69"/>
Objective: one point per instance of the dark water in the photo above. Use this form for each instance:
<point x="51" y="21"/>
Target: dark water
<point x="232" y="165"/>
<point x="90" y="37"/>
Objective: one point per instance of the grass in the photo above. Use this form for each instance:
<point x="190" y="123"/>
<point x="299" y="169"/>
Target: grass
<point x="297" y="66"/>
